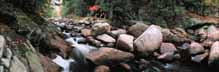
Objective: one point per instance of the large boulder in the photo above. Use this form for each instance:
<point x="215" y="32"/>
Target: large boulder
<point x="48" y="65"/>
<point x="137" y="29"/>
<point x="196" y="48"/>
<point x="86" y="32"/>
<point x="100" y="28"/>
<point x="200" y="57"/>
<point x="167" y="47"/>
<point x="58" y="43"/>
<point x="116" y="33"/>
<point x="17" y="65"/>
<point x="150" y="40"/>
<point x="106" y="38"/>
<point x="2" y="44"/>
<point x="214" y="52"/>
<point x="125" y="42"/>
<point x="213" y="33"/>
<point x="109" y="56"/>
<point x="33" y="58"/>
<point x="102" y="68"/>
<point x="2" y="41"/>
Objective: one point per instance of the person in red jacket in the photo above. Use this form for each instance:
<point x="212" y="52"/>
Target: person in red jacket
<point x="96" y="11"/>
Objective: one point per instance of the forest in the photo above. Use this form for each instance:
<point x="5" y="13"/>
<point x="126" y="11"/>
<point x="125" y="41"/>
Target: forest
<point x="109" y="35"/>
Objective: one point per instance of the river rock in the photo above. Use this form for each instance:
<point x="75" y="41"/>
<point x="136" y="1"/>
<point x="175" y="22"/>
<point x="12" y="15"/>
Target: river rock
<point x="117" y="32"/>
<point x="2" y="41"/>
<point x="94" y="41"/>
<point x="207" y="43"/>
<point x="202" y="32"/>
<point x="213" y="33"/>
<point x="8" y="55"/>
<point x="109" y="56"/>
<point x="166" y="34"/>
<point x="150" y="40"/>
<point x="58" y="43"/>
<point x="196" y="48"/>
<point x="137" y="29"/>
<point x="200" y="57"/>
<point x="102" y="68"/>
<point x="167" y="47"/>
<point x="106" y="38"/>
<point x="214" y="52"/>
<point x="125" y="42"/>
<point x="69" y="26"/>
<point x="48" y="65"/>
<point x="2" y="44"/>
<point x="86" y="32"/>
<point x="86" y="20"/>
<point x="33" y="58"/>
<point x="166" y="56"/>
<point x="100" y="28"/>
<point x="17" y="65"/>
<point x="126" y="67"/>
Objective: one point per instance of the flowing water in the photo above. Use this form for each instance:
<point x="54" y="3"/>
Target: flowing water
<point x="80" y="51"/>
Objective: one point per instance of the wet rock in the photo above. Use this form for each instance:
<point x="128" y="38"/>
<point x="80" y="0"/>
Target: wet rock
<point x="102" y="68"/>
<point x="106" y="38"/>
<point x="213" y="33"/>
<point x="125" y="42"/>
<point x="67" y="34"/>
<point x="150" y="40"/>
<point x="33" y="58"/>
<point x="58" y="43"/>
<point x="69" y="27"/>
<point x="48" y="65"/>
<point x="62" y="25"/>
<point x="127" y="67"/>
<point x="77" y="28"/>
<point x="109" y="56"/>
<point x="166" y="56"/>
<point x="166" y="34"/>
<point x="110" y="45"/>
<point x="17" y="65"/>
<point x="6" y="60"/>
<point x="212" y="28"/>
<point x="137" y="29"/>
<point x="85" y="20"/>
<point x="207" y="43"/>
<point x="177" y="56"/>
<point x="200" y="57"/>
<point x="143" y="64"/>
<point x="2" y="41"/>
<point x="214" y="52"/>
<point x="94" y="41"/>
<point x="116" y="33"/>
<point x="196" y="48"/>
<point x="86" y="32"/>
<point x="2" y="44"/>
<point x="100" y="28"/>
<point x="203" y="33"/>
<point x="176" y="35"/>
<point x="167" y="47"/>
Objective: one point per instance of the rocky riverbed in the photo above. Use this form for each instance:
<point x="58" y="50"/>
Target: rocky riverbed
<point x="94" y="45"/>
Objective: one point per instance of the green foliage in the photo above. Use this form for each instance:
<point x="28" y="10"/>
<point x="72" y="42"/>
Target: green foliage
<point x="163" y="12"/>
<point x="77" y="7"/>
